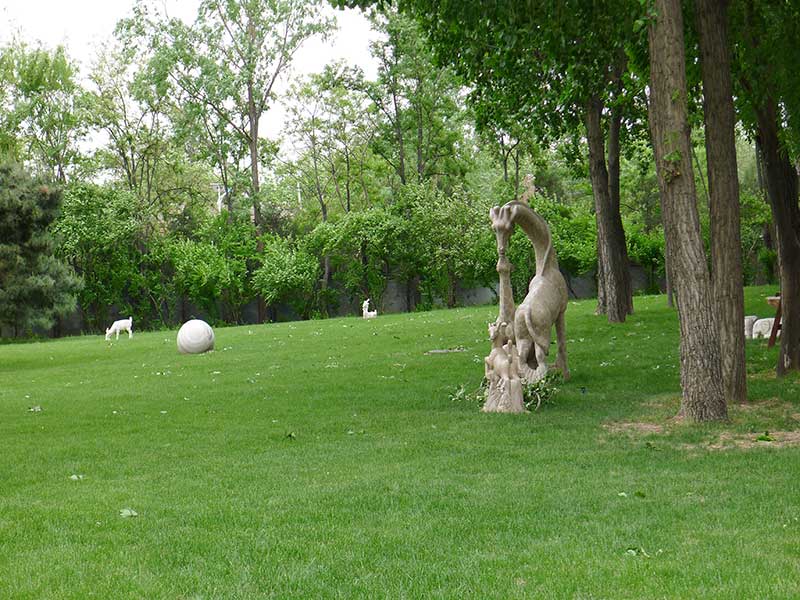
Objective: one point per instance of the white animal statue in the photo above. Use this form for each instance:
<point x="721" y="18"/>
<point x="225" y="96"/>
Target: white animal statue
<point x="763" y="328"/>
<point x="501" y="369"/>
<point x="366" y="312"/>
<point x="749" y="321"/>
<point x="120" y="325"/>
<point x="195" y="337"/>
<point x="546" y="301"/>
<point x="521" y="336"/>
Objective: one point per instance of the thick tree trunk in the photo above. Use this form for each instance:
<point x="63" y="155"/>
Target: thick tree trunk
<point x="668" y="282"/>
<point x="782" y="190"/>
<point x="614" y="126"/>
<point x="601" y="287"/>
<point x="412" y="293"/>
<point x="723" y="193"/>
<point x="701" y="366"/>
<point x="613" y="266"/>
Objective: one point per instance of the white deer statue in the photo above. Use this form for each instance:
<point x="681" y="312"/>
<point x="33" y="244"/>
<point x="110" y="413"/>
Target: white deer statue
<point x="366" y="312"/>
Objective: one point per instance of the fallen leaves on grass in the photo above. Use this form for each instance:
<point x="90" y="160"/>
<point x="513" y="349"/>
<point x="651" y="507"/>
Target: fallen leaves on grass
<point x="639" y="551"/>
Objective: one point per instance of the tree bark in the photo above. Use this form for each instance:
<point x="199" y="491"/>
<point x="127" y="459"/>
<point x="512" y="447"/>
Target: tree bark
<point x="723" y="193"/>
<point x="703" y="398"/>
<point x="782" y="192"/>
<point x="398" y="132"/>
<point x="601" y="286"/>
<point x="613" y="266"/>
<point x="253" y="142"/>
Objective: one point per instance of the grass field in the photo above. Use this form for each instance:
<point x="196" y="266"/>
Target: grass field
<point x="327" y="459"/>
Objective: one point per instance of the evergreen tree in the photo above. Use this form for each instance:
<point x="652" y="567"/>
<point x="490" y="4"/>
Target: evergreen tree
<point x="35" y="287"/>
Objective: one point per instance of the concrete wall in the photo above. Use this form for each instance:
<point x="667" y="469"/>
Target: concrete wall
<point x="393" y="301"/>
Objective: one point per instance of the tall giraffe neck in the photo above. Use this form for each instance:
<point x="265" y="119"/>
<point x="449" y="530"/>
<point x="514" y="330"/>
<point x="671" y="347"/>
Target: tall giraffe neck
<point x="535" y="227"/>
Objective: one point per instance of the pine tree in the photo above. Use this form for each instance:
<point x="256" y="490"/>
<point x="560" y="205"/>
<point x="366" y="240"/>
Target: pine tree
<point x="35" y="286"/>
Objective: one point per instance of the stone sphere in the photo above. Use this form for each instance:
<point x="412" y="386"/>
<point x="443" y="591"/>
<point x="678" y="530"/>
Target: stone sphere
<point x="195" y="337"/>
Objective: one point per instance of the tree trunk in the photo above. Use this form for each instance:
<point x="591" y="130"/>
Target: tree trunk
<point x="253" y="143"/>
<point x="365" y="269"/>
<point x="759" y="166"/>
<point x="412" y="293"/>
<point x="347" y="192"/>
<point x="254" y="116"/>
<point x="723" y="193"/>
<point x="601" y="288"/>
<point x="782" y="190"/>
<point x="398" y="132"/>
<point x="668" y="282"/>
<point x="701" y="366"/>
<point x="326" y="271"/>
<point x="420" y="135"/>
<point x="505" y="156"/>
<point x="613" y="266"/>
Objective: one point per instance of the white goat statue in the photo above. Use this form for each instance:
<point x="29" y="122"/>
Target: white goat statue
<point x="366" y="312"/>
<point x="763" y="328"/>
<point x="121" y="325"/>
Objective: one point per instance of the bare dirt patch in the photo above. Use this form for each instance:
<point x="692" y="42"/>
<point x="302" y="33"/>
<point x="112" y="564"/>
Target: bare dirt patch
<point x="770" y="405"/>
<point x="769" y="423"/>
<point x="747" y="441"/>
<point x="633" y="427"/>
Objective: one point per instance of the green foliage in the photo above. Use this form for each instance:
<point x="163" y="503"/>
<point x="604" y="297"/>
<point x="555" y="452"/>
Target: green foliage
<point x="44" y="115"/>
<point x="542" y="391"/>
<point x="214" y="270"/>
<point x="574" y="239"/>
<point x="287" y="274"/>
<point x="220" y="72"/>
<point x="98" y="231"/>
<point x="451" y="240"/>
<point x="758" y="261"/>
<point x="646" y="248"/>
<point x="35" y="286"/>
<point x="420" y="121"/>
<point x="364" y="246"/>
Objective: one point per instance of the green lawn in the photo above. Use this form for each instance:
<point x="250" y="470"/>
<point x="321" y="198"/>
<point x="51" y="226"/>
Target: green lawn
<point x="326" y="459"/>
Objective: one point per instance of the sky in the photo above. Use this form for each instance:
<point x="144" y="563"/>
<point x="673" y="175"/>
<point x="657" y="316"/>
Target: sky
<point x="82" y="26"/>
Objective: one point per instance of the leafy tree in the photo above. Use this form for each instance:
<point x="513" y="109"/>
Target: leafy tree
<point x="214" y="270"/>
<point x="551" y="67"/>
<point x="223" y="70"/>
<point x="420" y="121"/>
<point x="288" y="274"/>
<point x="768" y="96"/>
<point x="35" y="287"/>
<point x="331" y="133"/>
<point x="142" y="152"/>
<point x="701" y="370"/>
<point x="98" y="230"/>
<point x="364" y="247"/>
<point x="453" y="242"/>
<point x="45" y="119"/>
